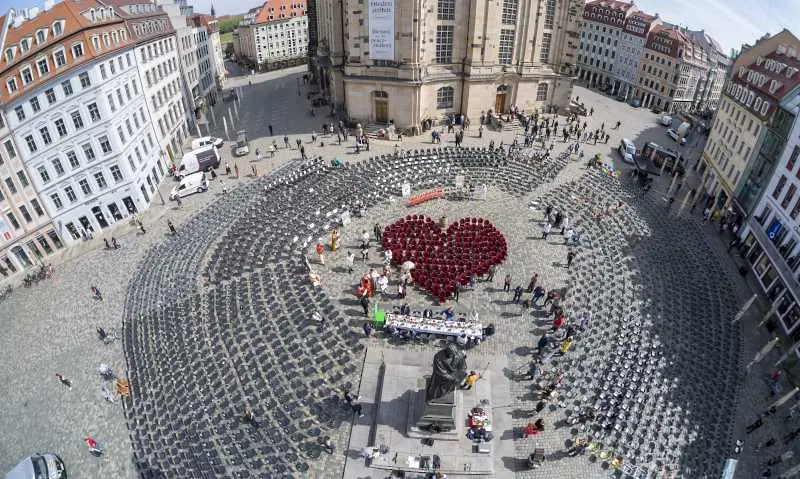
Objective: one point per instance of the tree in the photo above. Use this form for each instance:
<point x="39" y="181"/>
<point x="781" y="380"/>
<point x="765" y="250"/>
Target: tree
<point x="227" y="24"/>
<point x="734" y="53"/>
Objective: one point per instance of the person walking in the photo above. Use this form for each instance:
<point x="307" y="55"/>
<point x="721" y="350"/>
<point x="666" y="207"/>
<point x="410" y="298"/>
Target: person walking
<point x="286" y="141"/>
<point x="179" y="201"/>
<point x="570" y="258"/>
<point x="378" y="231"/>
<point x="171" y="227"/>
<point x="236" y="168"/>
<point x="492" y="271"/>
<point x="564" y="224"/>
<point x="351" y="259"/>
<point x="470" y="380"/>
<point x="227" y="168"/>
<point x="507" y="283"/>
<point x="224" y="188"/>
<point x="546" y="229"/>
<point x="364" y="300"/>
<point x="64" y="381"/>
<point x="517" y="294"/>
<point x="253" y="169"/>
<point x="357" y="409"/>
<point x="96" y="293"/>
<point x="298" y="142"/>
<point x="114" y="243"/>
<point x="538" y="293"/>
<point x="320" y="249"/>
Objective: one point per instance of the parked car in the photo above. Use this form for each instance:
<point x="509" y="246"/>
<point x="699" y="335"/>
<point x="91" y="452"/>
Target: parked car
<point x="207" y="140"/>
<point x="229" y="95"/>
<point x="626" y="150"/>
<point x="39" y="466"/>
<point x="242" y="146"/>
<point x="194" y="183"/>
<point x="674" y="135"/>
<point x="666" y="120"/>
<point x="636" y="103"/>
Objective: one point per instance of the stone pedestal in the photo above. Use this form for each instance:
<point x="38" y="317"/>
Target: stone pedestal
<point x="437" y="418"/>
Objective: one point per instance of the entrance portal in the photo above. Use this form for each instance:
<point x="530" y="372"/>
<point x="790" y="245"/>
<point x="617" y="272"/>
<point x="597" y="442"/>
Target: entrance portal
<point x="500" y="99"/>
<point x="98" y="215"/>
<point x="381" y="100"/>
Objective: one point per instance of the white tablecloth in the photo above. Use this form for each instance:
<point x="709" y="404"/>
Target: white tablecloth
<point x="434" y="325"/>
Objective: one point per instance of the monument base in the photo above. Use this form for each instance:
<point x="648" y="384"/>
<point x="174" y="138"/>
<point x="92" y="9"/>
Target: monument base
<point x="437" y="419"/>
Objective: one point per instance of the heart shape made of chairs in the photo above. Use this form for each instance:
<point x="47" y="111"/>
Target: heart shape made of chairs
<point x="470" y="246"/>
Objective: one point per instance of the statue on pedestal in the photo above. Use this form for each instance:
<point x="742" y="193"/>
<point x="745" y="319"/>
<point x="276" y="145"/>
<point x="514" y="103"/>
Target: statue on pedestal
<point x="449" y="368"/>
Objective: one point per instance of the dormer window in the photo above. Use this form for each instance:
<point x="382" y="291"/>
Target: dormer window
<point x="41" y="36"/>
<point x="110" y="13"/>
<point x="93" y="15"/>
<point x="25" y="44"/>
<point x="9" y="55"/>
<point x="115" y="36"/>
<point x="58" y="28"/>
<point x="106" y="39"/>
<point x="101" y="14"/>
<point x="96" y="42"/>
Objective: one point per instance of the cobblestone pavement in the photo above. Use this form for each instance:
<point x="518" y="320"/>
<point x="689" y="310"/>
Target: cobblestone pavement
<point x="217" y="315"/>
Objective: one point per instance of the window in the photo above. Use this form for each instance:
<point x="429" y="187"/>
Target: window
<point x="61" y="128"/>
<point x="112" y="67"/>
<point x="77" y="120"/>
<point x="37" y="208"/>
<point x="127" y="92"/>
<point x="12" y="153"/>
<point x="111" y="104"/>
<point x="444" y="44"/>
<point x="35" y="104"/>
<point x="88" y="151"/>
<point x="60" y="58"/>
<point x="121" y="135"/>
<point x="56" y="201"/>
<point x="55" y="239"/>
<point x="444" y="97"/>
<point x="104" y="144"/>
<point x="506" y="47"/>
<point x="549" y="13"/>
<point x="13" y="220"/>
<point x="9" y="55"/>
<point x="94" y="112"/>
<point x="84" y="184"/>
<point x="446" y="10"/>
<point x="67" y="86"/>
<point x="116" y="173"/>
<point x="77" y="50"/>
<point x="31" y="143"/>
<point x="57" y="29"/>
<point x="793" y="158"/>
<point x="510" y="8"/>
<point x="12" y="85"/>
<point x="85" y="81"/>
<point x="71" y="196"/>
<point x="128" y="125"/>
<point x="58" y="166"/>
<point x="23" y="210"/>
<point x="27" y="75"/>
<point x="46" y="138"/>
<point x="43" y="67"/>
<point x="541" y="92"/>
<point x="103" y="74"/>
<point x="11" y="186"/>
<point x="73" y="160"/>
<point x="101" y="180"/>
<point x="544" y="52"/>
<point x="20" y="112"/>
<point x="43" y="174"/>
<point x="51" y="96"/>
<point x="789" y="195"/>
<point x="779" y="187"/>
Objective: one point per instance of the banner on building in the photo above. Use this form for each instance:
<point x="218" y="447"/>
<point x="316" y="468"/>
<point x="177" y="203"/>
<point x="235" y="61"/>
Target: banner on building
<point x="381" y="29"/>
<point x="774" y="229"/>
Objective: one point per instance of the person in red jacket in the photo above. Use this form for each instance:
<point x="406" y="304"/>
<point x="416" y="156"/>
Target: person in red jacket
<point x="558" y="322"/>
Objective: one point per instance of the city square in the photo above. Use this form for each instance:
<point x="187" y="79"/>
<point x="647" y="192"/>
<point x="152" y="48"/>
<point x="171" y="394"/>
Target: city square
<point x="218" y="316"/>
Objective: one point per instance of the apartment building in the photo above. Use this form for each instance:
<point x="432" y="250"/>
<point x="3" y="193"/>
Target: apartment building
<point x="27" y="234"/>
<point x="601" y="35"/>
<point x="217" y="54"/>
<point x="630" y="51"/>
<point x="750" y="128"/>
<point x="274" y="33"/>
<point x="710" y="81"/>
<point x="407" y="62"/>
<point x="771" y="237"/>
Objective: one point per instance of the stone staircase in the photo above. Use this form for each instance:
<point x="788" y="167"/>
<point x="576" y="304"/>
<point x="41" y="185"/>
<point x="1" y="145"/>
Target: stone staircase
<point x="372" y="130"/>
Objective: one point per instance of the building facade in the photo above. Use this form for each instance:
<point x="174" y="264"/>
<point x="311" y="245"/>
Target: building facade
<point x="405" y="62"/>
<point x="771" y="238"/>
<point x="629" y="54"/>
<point x="660" y="69"/>
<point x="601" y="35"/>
<point x="274" y="34"/>
<point x="750" y="129"/>
<point x="709" y="87"/>
<point x="217" y="54"/>
<point x="27" y="234"/>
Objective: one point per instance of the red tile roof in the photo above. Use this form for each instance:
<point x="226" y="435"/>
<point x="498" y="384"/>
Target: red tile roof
<point x="281" y="10"/>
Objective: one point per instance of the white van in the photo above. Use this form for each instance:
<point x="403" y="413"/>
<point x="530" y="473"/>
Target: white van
<point x="194" y="183"/>
<point x="39" y="466"/>
<point x="198" y="160"/>
<point x="666" y="120"/>
<point x="627" y="150"/>
<point x="206" y="140"/>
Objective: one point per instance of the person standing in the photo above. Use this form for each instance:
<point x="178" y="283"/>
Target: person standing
<point x="302" y="151"/>
<point x="538" y="293"/>
<point x="378" y="231"/>
<point x="270" y="129"/>
<point x="507" y="283"/>
<point x="470" y="380"/>
<point x="518" y="294"/>
<point x="364" y="300"/>
<point x="286" y="141"/>
<point x="564" y="224"/>
<point x="492" y="271"/>
<point x="236" y="168"/>
<point x="532" y="282"/>
<point x="171" y="227"/>
<point x="97" y="294"/>
<point x="298" y="142"/>
<point x="351" y="259"/>
<point x="227" y="168"/>
<point x="320" y="249"/>
<point x="224" y="188"/>
<point x="456" y="290"/>
<point x="546" y="229"/>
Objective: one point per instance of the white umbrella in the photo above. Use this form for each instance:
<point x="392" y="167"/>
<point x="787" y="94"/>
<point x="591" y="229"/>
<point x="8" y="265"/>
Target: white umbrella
<point x="408" y="266"/>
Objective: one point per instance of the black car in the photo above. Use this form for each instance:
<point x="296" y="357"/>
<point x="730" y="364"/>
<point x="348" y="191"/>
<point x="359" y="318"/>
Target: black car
<point x="229" y="95"/>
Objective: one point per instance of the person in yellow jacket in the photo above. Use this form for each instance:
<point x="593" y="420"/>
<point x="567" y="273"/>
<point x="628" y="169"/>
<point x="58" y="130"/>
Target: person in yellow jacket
<point x="470" y="380"/>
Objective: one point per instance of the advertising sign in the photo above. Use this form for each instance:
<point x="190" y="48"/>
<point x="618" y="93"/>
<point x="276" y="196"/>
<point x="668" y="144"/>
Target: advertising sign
<point x="381" y="29"/>
<point x="774" y="229"/>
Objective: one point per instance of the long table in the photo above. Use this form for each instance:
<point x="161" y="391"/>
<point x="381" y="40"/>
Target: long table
<point x="434" y="325"/>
